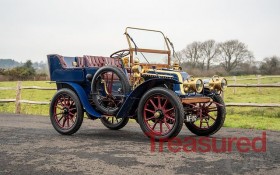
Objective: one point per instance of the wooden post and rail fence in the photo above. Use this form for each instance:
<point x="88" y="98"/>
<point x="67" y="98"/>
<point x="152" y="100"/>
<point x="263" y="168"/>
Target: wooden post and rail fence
<point x="18" y="101"/>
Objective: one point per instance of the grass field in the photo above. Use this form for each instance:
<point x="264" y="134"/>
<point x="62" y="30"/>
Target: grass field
<point x="238" y="117"/>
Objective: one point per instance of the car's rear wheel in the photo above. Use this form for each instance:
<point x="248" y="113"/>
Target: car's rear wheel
<point x="160" y="114"/>
<point x="66" y="112"/>
<point x="114" y="123"/>
<point x="210" y="117"/>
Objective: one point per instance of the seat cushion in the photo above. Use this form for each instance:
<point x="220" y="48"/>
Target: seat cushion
<point x="113" y="62"/>
<point x="94" y="61"/>
<point x="61" y="61"/>
<point x="80" y="61"/>
<point x="98" y="61"/>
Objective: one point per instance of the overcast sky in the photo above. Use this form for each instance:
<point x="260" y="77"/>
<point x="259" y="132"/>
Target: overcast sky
<point x="31" y="29"/>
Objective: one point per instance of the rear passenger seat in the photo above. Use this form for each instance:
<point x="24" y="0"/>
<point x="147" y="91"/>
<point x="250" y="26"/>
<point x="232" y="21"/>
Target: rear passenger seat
<point x="90" y="61"/>
<point x="94" y="61"/>
<point x="98" y="61"/>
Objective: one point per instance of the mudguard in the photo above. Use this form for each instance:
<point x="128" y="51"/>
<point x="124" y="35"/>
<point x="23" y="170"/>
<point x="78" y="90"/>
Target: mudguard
<point x="84" y="99"/>
<point x="131" y="102"/>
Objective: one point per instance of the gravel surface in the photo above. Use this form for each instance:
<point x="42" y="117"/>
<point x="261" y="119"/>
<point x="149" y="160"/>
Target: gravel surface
<point x="30" y="145"/>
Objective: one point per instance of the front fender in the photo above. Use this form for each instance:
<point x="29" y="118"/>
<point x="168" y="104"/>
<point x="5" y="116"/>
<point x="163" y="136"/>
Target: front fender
<point x="83" y="98"/>
<point x="131" y="102"/>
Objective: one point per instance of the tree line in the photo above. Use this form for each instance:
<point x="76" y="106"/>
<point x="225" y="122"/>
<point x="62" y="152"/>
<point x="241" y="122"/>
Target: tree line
<point x="24" y="72"/>
<point x="231" y="57"/>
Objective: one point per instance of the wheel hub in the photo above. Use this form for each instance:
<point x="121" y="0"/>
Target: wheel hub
<point x="158" y="114"/>
<point x="65" y="111"/>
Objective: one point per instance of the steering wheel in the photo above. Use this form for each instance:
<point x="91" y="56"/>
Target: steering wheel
<point x="120" y="53"/>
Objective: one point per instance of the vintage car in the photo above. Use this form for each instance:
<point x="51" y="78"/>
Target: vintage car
<point x="143" y="83"/>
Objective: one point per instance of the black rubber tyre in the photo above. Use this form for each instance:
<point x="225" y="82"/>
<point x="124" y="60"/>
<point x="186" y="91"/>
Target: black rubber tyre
<point x="219" y="121"/>
<point x="66" y="112"/>
<point x="125" y="88"/>
<point x="118" y="124"/>
<point x="163" y="99"/>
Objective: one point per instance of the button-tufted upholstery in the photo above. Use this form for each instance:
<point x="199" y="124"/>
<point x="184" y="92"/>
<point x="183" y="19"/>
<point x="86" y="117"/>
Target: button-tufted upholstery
<point x="113" y="62"/>
<point x="98" y="61"/>
<point x="61" y="61"/>
<point x="94" y="61"/>
<point x="80" y="61"/>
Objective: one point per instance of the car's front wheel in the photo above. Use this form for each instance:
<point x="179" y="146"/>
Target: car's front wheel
<point x="160" y="114"/>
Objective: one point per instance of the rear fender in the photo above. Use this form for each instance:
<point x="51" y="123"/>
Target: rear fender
<point x="131" y="103"/>
<point x="83" y="98"/>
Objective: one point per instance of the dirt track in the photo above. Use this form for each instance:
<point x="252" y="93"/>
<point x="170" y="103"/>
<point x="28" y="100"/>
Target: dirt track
<point x="29" y="145"/>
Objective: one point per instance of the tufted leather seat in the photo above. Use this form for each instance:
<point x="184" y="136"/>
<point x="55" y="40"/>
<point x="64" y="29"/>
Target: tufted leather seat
<point x="98" y="61"/>
<point x="113" y="62"/>
<point x="80" y="61"/>
<point x="61" y="61"/>
<point x="94" y="61"/>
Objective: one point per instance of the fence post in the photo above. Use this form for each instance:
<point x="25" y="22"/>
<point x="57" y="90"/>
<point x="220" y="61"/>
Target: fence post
<point x="234" y="89"/>
<point x="18" y="97"/>
<point x="259" y="82"/>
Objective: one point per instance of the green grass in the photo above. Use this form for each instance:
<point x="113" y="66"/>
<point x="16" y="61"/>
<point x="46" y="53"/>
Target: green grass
<point x="27" y="94"/>
<point x="237" y="117"/>
<point x="253" y="117"/>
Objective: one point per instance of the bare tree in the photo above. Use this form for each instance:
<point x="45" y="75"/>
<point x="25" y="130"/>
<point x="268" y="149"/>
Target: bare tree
<point x="233" y="53"/>
<point x="270" y="66"/>
<point x="179" y="57"/>
<point x="210" y="51"/>
<point x="192" y="53"/>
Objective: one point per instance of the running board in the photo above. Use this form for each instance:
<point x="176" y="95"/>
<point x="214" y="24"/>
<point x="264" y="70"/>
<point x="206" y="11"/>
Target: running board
<point x="196" y="100"/>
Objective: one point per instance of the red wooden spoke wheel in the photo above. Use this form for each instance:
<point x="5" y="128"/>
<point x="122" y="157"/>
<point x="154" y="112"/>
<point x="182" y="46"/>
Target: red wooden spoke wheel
<point x="160" y="113"/>
<point x="66" y="113"/>
<point x="114" y="123"/>
<point x="210" y="117"/>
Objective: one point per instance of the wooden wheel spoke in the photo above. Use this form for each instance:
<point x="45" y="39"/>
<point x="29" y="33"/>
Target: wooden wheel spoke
<point x="156" y="122"/>
<point x="64" y="120"/>
<point x="200" y="125"/>
<point x="164" y="104"/>
<point x="68" y="124"/>
<point x="209" y="104"/>
<point x="168" y="110"/>
<point x="212" y="117"/>
<point x="59" y="107"/>
<point x="71" y="118"/>
<point x="153" y="117"/>
<point x="159" y="102"/>
<point x="60" y="118"/>
<point x="169" y="117"/>
<point x="167" y="125"/>
<point x="58" y="114"/>
<point x="151" y="111"/>
<point x="151" y="101"/>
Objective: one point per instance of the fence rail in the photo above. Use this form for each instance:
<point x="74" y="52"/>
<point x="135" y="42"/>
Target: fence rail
<point x="18" y="101"/>
<point x="254" y="85"/>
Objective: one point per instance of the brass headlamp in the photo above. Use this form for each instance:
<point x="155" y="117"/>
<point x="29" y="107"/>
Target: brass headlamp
<point x="218" y="83"/>
<point x="193" y="85"/>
